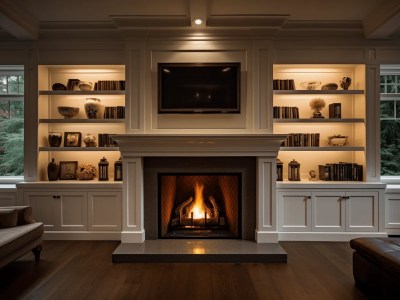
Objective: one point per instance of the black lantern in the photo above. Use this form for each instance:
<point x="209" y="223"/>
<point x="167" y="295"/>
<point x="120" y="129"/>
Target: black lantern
<point x="294" y="171"/>
<point x="279" y="170"/>
<point x="118" y="170"/>
<point x="103" y="169"/>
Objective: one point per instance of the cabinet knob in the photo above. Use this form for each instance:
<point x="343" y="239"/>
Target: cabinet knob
<point x="56" y="197"/>
<point x="308" y="197"/>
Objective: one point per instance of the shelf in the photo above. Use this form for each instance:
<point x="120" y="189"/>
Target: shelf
<point x="78" y="149"/>
<point x="333" y="148"/>
<point x="324" y="120"/>
<point x="79" y="93"/>
<point x="319" y="92"/>
<point x="86" y="121"/>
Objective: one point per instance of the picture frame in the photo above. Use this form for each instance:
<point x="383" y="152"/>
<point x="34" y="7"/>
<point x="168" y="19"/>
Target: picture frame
<point x="72" y="139"/>
<point x="68" y="170"/>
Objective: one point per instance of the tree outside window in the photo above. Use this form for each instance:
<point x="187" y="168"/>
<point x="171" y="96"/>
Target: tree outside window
<point x="11" y="121"/>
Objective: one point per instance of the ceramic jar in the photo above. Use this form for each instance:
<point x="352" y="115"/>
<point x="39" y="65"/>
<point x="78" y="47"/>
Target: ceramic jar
<point x="93" y="108"/>
<point x="55" y="139"/>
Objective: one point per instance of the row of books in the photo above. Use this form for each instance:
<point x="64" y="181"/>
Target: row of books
<point x="109" y="85"/>
<point x="283" y="84"/>
<point x="114" y="112"/>
<point x="105" y="140"/>
<point x="302" y="140"/>
<point x="341" y="171"/>
<point x="285" y="112"/>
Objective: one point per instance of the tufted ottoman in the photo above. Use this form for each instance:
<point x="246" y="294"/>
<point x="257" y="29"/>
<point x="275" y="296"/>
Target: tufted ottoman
<point x="376" y="266"/>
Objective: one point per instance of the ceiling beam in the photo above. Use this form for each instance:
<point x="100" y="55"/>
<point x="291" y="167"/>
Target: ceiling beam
<point x="17" y="22"/>
<point x="383" y="21"/>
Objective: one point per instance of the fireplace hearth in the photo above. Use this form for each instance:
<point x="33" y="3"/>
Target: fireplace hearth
<point x="199" y="205"/>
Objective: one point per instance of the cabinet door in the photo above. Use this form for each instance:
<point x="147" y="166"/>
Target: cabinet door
<point x="362" y="211"/>
<point x="328" y="211"/>
<point x="73" y="211"/>
<point x="392" y="207"/>
<point x="45" y="208"/>
<point x="294" y="211"/>
<point x="105" y="211"/>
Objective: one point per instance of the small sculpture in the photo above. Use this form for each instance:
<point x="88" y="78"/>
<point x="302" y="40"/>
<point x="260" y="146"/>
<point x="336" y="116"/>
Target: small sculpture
<point x="345" y="83"/>
<point x="317" y="104"/>
<point x="313" y="175"/>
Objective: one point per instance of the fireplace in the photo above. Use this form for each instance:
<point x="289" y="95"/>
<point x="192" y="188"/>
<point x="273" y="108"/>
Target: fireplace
<point x="199" y="205"/>
<point x="147" y="155"/>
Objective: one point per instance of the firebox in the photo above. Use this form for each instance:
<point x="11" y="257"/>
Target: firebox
<point x="199" y="205"/>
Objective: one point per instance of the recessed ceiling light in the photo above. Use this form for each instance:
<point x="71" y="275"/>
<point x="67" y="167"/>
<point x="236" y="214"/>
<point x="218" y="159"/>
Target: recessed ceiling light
<point x="198" y="21"/>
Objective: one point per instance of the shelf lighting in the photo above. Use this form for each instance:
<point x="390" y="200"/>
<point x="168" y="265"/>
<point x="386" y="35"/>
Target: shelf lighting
<point x="197" y="21"/>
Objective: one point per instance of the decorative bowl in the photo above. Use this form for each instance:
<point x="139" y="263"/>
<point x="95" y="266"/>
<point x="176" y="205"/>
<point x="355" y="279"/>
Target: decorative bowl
<point x="329" y="86"/>
<point x="58" y="87"/>
<point x="310" y="85"/>
<point x="85" y="86"/>
<point x="337" y="140"/>
<point x="67" y="111"/>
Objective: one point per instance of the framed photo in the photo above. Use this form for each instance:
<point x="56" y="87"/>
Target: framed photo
<point x="68" y="170"/>
<point x="72" y="139"/>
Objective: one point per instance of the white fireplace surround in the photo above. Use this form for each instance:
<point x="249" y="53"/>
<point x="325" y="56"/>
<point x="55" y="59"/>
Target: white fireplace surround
<point x="135" y="147"/>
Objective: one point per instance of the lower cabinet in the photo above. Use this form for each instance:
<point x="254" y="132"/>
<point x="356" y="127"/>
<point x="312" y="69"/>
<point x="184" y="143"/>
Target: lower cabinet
<point x="392" y="208"/>
<point x="8" y="198"/>
<point x="76" y="213"/>
<point x="330" y="211"/>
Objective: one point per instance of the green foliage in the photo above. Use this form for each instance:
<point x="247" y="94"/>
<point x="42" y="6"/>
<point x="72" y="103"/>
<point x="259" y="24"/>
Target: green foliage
<point x="12" y="147"/>
<point x="390" y="147"/>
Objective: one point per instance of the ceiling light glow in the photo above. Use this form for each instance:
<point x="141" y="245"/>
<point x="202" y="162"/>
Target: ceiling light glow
<point x="198" y="21"/>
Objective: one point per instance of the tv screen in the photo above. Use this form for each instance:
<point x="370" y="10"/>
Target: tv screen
<point x="199" y="88"/>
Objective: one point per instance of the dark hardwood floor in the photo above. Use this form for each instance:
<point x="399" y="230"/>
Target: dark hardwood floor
<point x="83" y="270"/>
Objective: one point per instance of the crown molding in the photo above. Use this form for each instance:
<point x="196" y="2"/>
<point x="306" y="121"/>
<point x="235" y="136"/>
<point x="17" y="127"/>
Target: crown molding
<point x="384" y="21"/>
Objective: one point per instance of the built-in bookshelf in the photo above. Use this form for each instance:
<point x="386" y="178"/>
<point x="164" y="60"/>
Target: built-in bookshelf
<point x="343" y="115"/>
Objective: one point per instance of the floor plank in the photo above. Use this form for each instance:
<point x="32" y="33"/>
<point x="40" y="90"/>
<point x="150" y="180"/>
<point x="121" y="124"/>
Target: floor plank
<point x="84" y="270"/>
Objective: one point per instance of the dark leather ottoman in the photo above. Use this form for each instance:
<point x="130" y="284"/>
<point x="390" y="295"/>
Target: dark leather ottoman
<point x="376" y="266"/>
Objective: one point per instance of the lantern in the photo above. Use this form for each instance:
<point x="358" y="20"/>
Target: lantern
<point x="103" y="169"/>
<point x="294" y="171"/>
<point x="279" y="170"/>
<point x="118" y="170"/>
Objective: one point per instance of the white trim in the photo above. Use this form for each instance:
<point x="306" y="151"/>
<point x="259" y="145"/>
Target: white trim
<point x="326" y="236"/>
<point x="83" y="235"/>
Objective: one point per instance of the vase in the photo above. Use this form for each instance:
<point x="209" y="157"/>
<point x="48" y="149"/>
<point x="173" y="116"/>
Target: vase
<point x="345" y="83"/>
<point x="92" y="108"/>
<point x="55" y="139"/>
<point x="52" y="171"/>
<point x="90" y="140"/>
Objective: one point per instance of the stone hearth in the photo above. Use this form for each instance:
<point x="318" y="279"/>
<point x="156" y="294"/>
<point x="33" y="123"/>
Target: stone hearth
<point x="262" y="147"/>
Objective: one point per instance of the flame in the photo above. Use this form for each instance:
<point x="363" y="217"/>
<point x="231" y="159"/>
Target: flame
<point x="198" y="208"/>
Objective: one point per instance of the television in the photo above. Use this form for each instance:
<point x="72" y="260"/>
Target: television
<point x="189" y="88"/>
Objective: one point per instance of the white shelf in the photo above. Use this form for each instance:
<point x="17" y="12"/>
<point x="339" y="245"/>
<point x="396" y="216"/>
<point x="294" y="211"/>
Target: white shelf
<point x="333" y="148"/>
<point x="322" y="120"/>
<point x="78" y="149"/>
<point x="319" y="92"/>
<point x="80" y="93"/>
<point x="86" y="121"/>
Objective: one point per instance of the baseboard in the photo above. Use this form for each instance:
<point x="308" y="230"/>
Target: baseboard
<point x="327" y="236"/>
<point x="83" y="235"/>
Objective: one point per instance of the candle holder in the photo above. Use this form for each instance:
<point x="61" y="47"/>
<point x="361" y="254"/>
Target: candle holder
<point x="118" y="170"/>
<point x="279" y="170"/>
<point x="294" y="171"/>
<point x="103" y="169"/>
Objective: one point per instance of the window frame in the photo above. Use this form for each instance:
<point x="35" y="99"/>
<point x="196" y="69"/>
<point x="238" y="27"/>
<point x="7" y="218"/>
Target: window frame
<point x="387" y="70"/>
<point x="13" y="70"/>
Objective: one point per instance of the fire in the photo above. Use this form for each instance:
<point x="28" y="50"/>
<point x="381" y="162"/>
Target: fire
<point x="198" y="208"/>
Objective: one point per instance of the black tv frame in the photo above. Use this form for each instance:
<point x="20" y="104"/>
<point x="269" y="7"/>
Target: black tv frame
<point x="200" y="110"/>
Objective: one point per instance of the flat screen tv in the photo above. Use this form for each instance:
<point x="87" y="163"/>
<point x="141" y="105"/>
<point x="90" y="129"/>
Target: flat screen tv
<point x="198" y="88"/>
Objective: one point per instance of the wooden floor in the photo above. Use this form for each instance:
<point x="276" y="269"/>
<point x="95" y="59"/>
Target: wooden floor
<point x="83" y="270"/>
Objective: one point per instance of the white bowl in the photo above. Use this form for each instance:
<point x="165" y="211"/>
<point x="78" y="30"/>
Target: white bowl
<point x="85" y="86"/>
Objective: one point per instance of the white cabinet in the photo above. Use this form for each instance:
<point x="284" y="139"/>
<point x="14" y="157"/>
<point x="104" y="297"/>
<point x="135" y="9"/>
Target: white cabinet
<point x="105" y="210"/>
<point x="75" y="210"/>
<point x="8" y="198"/>
<point x="392" y="207"/>
<point x="61" y="210"/>
<point x="330" y="211"/>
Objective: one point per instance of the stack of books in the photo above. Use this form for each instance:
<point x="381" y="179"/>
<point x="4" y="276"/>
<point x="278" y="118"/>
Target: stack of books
<point x="285" y="112"/>
<point x="341" y="171"/>
<point x="302" y="140"/>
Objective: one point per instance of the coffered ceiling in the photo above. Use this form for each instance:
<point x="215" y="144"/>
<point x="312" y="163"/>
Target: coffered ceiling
<point x="33" y="20"/>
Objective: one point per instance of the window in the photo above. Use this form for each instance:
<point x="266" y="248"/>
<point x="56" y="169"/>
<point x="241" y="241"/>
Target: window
<point x="390" y="121"/>
<point x="11" y="122"/>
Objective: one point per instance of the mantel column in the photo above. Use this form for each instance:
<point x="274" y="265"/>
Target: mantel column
<point x="132" y="206"/>
<point x="266" y="229"/>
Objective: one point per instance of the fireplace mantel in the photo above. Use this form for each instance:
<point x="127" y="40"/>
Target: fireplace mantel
<point x="134" y="147"/>
<point x="199" y="145"/>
